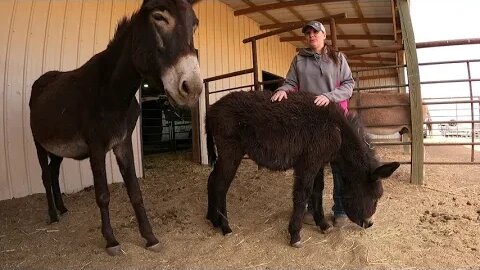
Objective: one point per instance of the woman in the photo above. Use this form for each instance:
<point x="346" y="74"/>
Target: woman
<point x="324" y="72"/>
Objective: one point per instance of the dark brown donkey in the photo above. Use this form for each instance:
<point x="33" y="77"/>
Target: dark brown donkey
<point x="86" y="112"/>
<point x="297" y="134"/>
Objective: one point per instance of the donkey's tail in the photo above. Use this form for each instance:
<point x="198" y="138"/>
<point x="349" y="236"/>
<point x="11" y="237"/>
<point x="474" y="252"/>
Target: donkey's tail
<point x="212" y="156"/>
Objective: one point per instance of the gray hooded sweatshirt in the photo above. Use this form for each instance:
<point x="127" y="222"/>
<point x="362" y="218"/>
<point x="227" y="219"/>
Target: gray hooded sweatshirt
<point x="318" y="74"/>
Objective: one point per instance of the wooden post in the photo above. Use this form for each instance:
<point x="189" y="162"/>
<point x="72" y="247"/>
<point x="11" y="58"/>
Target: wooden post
<point x="255" y="65"/>
<point x="417" y="171"/>
<point x="402" y="81"/>
<point x="196" y="155"/>
<point x="333" y="33"/>
<point x="207" y="96"/>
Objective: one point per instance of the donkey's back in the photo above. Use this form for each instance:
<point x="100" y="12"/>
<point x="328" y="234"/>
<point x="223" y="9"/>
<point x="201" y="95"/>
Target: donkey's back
<point x="275" y="135"/>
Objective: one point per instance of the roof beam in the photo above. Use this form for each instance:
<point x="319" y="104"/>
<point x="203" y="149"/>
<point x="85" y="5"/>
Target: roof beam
<point x="281" y="5"/>
<point x="372" y="58"/>
<point x="340" y="18"/>
<point x="351" y="37"/>
<point x="366" y="65"/>
<point x="391" y="48"/>
<point x="284" y="29"/>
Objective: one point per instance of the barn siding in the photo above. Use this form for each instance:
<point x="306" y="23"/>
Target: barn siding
<point x="37" y="36"/>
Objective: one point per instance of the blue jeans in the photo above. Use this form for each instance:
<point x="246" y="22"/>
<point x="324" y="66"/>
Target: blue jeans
<point x="337" y="191"/>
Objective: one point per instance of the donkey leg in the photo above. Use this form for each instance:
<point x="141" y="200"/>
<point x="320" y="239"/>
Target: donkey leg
<point x="212" y="203"/>
<point x="47" y="182"/>
<point x="302" y="189"/>
<point x="124" y="154"/>
<point x="317" y="203"/>
<point x="54" y="167"/>
<point x="225" y="170"/>
<point x="102" y="196"/>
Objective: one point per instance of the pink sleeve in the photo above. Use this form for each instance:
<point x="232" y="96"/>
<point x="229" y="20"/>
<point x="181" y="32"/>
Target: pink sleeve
<point x="344" y="103"/>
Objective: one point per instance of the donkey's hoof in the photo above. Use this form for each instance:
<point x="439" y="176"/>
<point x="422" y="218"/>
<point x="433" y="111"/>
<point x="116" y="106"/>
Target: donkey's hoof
<point x="226" y="231"/>
<point x="53" y="219"/>
<point x="62" y="210"/>
<point x="114" y="251"/>
<point x="155" y="247"/>
<point x="297" y="244"/>
<point x="325" y="228"/>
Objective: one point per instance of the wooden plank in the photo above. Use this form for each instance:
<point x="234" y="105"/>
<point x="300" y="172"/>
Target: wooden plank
<point x="237" y="41"/>
<point x="231" y="45"/>
<point x="224" y="44"/>
<point x="391" y="48"/>
<point x="203" y="59"/>
<point x="33" y="70"/>
<point x="6" y="14"/>
<point x="210" y="61"/>
<point x="347" y="37"/>
<point x="281" y="5"/>
<point x="339" y="19"/>
<point x="14" y="77"/>
<point x="417" y="171"/>
<point x="218" y="43"/>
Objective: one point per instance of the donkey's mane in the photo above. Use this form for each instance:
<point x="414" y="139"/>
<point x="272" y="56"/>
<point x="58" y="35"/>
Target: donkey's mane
<point x="362" y="141"/>
<point x="121" y="33"/>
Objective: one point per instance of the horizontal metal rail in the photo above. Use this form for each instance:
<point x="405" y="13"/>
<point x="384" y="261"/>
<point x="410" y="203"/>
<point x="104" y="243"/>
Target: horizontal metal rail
<point x="451" y="81"/>
<point x="228" y="75"/>
<point x="450" y="102"/>
<point x="449" y="62"/>
<point x="233" y="88"/>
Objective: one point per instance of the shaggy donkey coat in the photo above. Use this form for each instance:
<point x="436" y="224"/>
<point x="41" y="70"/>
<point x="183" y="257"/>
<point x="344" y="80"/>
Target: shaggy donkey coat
<point x="294" y="133"/>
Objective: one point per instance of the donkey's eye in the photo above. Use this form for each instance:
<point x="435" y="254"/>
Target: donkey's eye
<point x="158" y="16"/>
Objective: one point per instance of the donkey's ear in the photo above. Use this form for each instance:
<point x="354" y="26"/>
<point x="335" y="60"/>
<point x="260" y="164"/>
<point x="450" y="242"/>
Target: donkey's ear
<point x="385" y="170"/>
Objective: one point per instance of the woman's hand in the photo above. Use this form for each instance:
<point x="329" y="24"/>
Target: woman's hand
<point x="321" y="100"/>
<point x="279" y="95"/>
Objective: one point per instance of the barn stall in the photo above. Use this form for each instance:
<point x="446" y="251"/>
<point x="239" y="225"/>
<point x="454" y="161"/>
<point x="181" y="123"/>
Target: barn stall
<point x="175" y="188"/>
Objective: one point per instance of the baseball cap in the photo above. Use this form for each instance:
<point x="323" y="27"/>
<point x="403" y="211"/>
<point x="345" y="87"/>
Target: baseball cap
<point x="318" y="26"/>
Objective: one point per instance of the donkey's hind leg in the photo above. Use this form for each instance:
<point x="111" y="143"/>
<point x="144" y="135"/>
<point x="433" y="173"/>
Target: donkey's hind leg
<point x="47" y="181"/>
<point x="218" y="185"/>
<point x="124" y="154"/>
<point x="54" y="167"/>
<point x="302" y="189"/>
<point x="317" y="203"/>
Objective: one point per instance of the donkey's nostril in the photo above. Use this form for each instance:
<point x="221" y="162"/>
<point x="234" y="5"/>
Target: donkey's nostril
<point x="185" y="87"/>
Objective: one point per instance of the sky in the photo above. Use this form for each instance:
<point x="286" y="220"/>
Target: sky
<point x="435" y="20"/>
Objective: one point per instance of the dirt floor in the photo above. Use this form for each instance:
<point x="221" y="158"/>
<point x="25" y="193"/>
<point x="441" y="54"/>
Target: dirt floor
<point x="417" y="227"/>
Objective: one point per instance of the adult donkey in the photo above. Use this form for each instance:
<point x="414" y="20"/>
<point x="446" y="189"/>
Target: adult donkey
<point x="88" y="111"/>
<point x="385" y="120"/>
<point x="297" y="134"/>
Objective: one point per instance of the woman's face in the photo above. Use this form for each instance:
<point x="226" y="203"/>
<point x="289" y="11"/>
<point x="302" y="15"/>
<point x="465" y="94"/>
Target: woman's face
<point x="315" y="39"/>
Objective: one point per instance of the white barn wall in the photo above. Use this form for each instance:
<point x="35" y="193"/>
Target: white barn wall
<point x="35" y="37"/>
